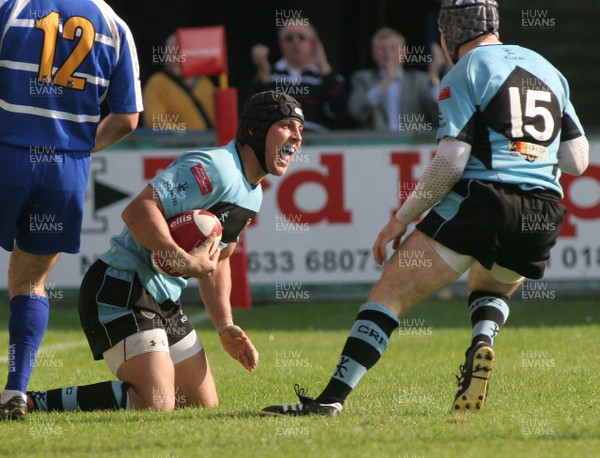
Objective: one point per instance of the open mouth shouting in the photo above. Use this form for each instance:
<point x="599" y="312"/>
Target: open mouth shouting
<point x="285" y="154"/>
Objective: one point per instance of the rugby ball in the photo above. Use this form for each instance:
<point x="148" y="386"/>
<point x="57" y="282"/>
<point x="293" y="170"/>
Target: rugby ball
<point x="189" y="230"/>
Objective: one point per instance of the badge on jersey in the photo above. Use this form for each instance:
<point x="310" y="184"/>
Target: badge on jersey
<point x="202" y="179"/>
<point x="531" y="152"/>
<point x="445" y="93"/>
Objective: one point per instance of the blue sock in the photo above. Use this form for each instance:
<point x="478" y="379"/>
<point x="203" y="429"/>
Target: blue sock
<point x="26" y="326"/>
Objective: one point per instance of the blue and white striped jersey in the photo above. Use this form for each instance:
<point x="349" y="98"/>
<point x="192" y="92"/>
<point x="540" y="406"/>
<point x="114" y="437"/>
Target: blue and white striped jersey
<point x="512" y="106"/>
<point x="59" y="59"/>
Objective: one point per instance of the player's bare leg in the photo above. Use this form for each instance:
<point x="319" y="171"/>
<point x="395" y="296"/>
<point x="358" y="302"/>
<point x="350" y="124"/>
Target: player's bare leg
<point x="27" y="273"/>
<point x="142" y="363"/>
<point x="489" y="292"/>
<point x="138" y="388"/>
<point x="151" y="377"/>
<point x="480" y="279"/>
<point x="413" y="272"/>
<point x="404" y="283"/>
<point x="194" y="383"/>
<point x="29" y="310"/>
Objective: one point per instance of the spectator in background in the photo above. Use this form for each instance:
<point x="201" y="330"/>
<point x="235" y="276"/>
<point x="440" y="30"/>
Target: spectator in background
<point x="304" y="73"/>
<point x="497" y="164"/>
<point x="381" y="96"/>
<point x="172" y="103"/>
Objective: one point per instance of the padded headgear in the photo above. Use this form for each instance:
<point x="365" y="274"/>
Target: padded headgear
<point x="464" y="20"/>
<point x="260" y="112"/>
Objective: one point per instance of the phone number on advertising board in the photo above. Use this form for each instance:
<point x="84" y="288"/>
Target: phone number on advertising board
<point x="344" y="260"/>
<point x="571" y="257"/>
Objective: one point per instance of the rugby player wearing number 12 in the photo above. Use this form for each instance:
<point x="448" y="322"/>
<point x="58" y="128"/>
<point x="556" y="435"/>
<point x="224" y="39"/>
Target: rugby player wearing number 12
<point x="507" y="131"/>
<point x="59" y="59"/>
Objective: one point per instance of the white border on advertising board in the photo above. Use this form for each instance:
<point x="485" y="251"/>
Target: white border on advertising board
<point x="318" y="222"/>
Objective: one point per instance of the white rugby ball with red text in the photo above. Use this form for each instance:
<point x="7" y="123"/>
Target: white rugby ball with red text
<point x="189" y="230"/>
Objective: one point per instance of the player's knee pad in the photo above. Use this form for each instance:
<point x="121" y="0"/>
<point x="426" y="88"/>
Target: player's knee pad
<point x="152" y="340"/>
<point x="187" y="347"/>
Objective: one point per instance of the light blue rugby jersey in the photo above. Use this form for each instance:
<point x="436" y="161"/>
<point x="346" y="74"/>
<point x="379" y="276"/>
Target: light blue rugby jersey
<point x="92" y="57"/>
<point x="512" y="106"/>
<point x="209" y="179"/>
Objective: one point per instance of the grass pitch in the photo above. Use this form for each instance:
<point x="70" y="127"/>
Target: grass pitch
<point x="543" y="399"/>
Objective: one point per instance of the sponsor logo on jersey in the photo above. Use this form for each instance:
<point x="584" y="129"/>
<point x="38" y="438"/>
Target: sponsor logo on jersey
<point x="445" y="93"/>
<point x="202" y="179"/>
<point x="531" y="152"/>
<point x="510" y="55"/>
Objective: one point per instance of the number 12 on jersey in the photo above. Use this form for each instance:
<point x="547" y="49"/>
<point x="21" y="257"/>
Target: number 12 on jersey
<point x="64" y="75"/>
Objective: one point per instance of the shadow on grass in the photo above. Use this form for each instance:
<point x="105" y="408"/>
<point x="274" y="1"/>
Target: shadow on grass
<point x="323" y="316"/>
<point x="434" y="314"/>
<point x="142" y="416"/>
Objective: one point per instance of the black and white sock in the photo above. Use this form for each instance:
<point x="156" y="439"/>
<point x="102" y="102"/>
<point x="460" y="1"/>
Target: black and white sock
<point x="488" y="313"/>
<point x="366" y="343"/>
<point x="99" y="396"/>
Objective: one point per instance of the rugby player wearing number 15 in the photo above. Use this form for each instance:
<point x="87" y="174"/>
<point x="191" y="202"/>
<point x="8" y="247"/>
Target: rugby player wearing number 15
<point x="59" y="59"/>
<point x="507" y="129"/>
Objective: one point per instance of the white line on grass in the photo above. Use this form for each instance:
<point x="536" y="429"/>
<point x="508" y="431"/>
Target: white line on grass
<point x="195" y="319"/>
